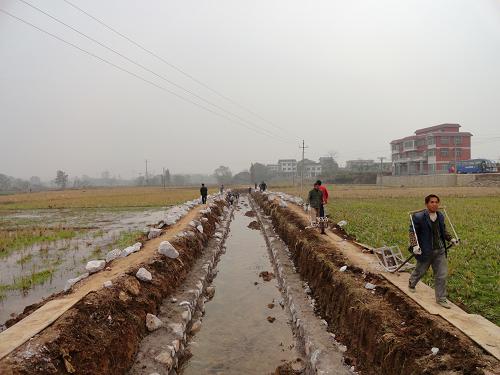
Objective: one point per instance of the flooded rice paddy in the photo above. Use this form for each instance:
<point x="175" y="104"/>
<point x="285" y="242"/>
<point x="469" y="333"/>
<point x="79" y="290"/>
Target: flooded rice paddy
<point x="34" y="271"/>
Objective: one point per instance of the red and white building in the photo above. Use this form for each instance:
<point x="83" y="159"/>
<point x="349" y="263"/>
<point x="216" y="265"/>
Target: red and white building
<point x="430" y="150"/>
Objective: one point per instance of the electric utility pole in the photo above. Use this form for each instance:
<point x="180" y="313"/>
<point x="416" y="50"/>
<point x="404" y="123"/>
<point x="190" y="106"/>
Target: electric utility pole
<point x="381" y="158"/>
<point x="164" y="178"/>
<point x="303" y="147"/>
<point x="146" y="175"/>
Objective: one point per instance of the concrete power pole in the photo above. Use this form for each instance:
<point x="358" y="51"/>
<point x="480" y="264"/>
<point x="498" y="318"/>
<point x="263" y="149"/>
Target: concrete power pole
<point x="146" y="175"/>
<point x="303" y="147"/>
<point x="381" y="158"/>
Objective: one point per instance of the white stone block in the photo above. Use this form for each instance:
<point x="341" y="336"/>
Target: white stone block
<point x="71" y="282"/>
<point x="95" y="266"/>
<point x="165" y="359"/>
<point x="108" y="284"/>
<point x="153" y="233"/>
<point x="113" y="254"/>
<point x="370" y="286"/>
<point x="144" y="275"/>
<point x="153" y="322"/>
<point x="167" y="249"/>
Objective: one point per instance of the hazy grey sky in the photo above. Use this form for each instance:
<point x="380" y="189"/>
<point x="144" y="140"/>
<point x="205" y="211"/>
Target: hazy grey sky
<point x="348" y="76"/>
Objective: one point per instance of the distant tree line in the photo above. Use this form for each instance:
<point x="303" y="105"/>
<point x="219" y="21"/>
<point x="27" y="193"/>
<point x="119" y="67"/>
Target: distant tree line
<point x="8" y="183"/>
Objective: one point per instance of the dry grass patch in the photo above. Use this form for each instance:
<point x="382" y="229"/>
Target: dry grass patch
<point x="119" y="197"/>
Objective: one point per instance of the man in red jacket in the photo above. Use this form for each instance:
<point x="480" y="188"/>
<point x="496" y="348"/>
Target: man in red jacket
<point x="325" y="198"/>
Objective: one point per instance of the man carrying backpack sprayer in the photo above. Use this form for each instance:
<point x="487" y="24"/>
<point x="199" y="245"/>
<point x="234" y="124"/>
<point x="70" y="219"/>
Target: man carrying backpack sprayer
<point x="428" y="238"/>
<point x="315" y="200"/>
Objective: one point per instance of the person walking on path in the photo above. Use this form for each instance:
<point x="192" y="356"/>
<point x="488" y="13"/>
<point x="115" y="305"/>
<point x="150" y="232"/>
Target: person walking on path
<point x="204" y="193"/>
<point x="428" y="227"/>
<point x="315" y="199"/>
<point x="263" y="186"/>
<point x="324" y="200"/>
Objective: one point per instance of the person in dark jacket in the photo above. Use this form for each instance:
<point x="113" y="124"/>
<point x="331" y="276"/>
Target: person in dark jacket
<point x="315" y="199"/>
<point x="204" y="193"/>
<point x="428" y="238"/>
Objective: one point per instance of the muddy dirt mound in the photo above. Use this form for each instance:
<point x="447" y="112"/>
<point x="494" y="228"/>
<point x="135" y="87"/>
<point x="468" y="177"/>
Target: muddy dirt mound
<point x="101" y="333"/>
<point x="250" y="213"/>
<point x="385" y="332"/>
<point x="266" y="275"/>
<point x="296" y="367"/>
<point x="254" y="225"/>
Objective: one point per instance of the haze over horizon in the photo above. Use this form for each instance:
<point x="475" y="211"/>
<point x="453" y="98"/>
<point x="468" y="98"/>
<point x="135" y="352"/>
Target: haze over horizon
<point x="344" y="76"/>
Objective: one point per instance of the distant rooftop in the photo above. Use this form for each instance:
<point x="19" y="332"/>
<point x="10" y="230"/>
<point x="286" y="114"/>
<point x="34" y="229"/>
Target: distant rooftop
<point x="436" y="127"/>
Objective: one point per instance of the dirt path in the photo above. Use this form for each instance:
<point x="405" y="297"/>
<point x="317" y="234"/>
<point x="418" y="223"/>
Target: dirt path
<point x="41" y="318"/>
<point x="482" y="331"/>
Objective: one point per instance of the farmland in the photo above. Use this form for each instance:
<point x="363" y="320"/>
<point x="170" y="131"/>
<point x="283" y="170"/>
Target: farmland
<point x="80" y="229"/>
<point x="378" y="216"/>
<point x="47" y="237"/>
<point x="115" y="198"/>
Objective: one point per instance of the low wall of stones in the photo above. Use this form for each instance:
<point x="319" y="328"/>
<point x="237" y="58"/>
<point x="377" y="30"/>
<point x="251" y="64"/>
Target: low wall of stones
<point x="322" y="352"/>
<point x="102" y="332"/>
<point x="179" y="317"/>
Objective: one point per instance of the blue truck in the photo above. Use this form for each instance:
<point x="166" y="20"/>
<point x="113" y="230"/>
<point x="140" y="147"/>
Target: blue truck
<point x="476" y="166"/>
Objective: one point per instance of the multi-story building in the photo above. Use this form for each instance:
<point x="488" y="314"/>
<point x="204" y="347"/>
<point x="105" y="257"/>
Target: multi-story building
<point x="273" y="168"/>
<point x="430" y="150"/>
<point x="287" y="166"/>
<point x="311" y="168"/>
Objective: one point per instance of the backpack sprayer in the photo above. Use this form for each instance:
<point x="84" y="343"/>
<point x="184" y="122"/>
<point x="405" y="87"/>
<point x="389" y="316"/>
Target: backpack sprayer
<point x="443" y="209"/>
<point x="317" y="221"/>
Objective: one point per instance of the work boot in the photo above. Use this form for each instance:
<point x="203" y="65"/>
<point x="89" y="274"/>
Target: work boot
<point x="444" y="303"/>
<point x="412" y="289"/>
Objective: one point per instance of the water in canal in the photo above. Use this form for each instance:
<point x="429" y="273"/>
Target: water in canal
<point x="236" y="336"/>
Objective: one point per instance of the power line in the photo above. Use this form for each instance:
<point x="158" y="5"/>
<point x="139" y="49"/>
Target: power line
<point x="493" y="140"/>
<point x="128" y="71"/>
<point x="144" y="67"/>
<point x="183" y="72"/>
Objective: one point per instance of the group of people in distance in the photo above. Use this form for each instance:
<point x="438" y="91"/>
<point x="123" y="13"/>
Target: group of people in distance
<point x="230" y="196"/>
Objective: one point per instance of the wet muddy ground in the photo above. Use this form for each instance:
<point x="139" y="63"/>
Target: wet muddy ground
<point x="54" y="262"/>
<point x="245" y="330"/>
